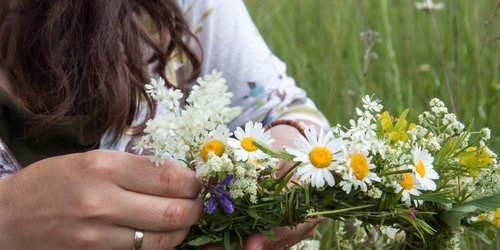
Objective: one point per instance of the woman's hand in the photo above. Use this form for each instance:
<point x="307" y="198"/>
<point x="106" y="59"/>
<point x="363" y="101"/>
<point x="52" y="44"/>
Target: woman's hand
<point x="97" y="200"/>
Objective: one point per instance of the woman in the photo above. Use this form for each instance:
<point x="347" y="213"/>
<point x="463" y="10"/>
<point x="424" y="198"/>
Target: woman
<point x="73" y="74"/>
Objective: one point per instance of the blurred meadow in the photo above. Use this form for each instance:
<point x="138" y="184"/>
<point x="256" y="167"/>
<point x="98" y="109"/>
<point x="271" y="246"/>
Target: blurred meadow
<point x="452" y="54"/>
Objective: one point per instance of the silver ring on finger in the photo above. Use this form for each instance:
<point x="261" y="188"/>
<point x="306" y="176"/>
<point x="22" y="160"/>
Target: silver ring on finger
<point x="138" y="237"/>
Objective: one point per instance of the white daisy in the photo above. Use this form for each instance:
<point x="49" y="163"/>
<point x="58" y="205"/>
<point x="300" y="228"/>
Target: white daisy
<point x="358" y="173"/>
<point x="409" y="187"/>
<point x="320" y="155"/>
<point x="243" y="144"/>
<point x="214" y="143"/>
<point x="423" y="169"/>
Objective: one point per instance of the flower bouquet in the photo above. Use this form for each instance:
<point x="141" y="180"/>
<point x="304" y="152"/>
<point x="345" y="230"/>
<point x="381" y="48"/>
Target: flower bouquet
<point x="391" y="176"/>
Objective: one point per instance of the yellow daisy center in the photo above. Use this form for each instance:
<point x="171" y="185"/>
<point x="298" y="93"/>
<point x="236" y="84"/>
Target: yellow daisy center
<point x="407" y="183"/>
<point x="247" y="144"/>
<point x="320" y="157"/>
<point x="359" y="165"/>
<point x="257" y="163"/>
<point x="483" y="216"/>
<point x="420" y="168"/>
<point x="215" y="146"/>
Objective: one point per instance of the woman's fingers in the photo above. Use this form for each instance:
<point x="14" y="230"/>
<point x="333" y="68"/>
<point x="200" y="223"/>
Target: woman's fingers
<point x="138" y="174"/>
<point x="286" y="236"/>
<point x="154" y="213"/>
<point x="123" y="238"/>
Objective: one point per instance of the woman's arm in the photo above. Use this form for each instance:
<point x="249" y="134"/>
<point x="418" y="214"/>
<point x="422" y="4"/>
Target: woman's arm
<point x="97" y="200"/>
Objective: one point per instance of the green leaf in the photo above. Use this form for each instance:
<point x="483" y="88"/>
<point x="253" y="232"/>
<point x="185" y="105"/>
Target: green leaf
<point x="308" y="195"/>
<point x="253" y="214"/>
<point x="433" y="198"/>
<point x="401" y="120"/>
<point x="454" y="216"/>
<point x="484" y="204"/>
<point x="227" y="242"/>
<point x="203" y="240"/>
<point x="482" y="235"/>
<point x="380" y="129"/>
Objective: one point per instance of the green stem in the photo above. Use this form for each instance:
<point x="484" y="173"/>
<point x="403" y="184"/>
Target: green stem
<point x="271" y="153"/>
<point x="227" y="243"/>
<point x="395" y="172"/>
<point x="338" y="211"/>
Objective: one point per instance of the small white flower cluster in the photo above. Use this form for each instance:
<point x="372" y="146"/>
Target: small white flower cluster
<point x="487" y="182"/>
<point x="177" y="133"/>
<point x="245" y="183"/>
<point x="197" y="135"/>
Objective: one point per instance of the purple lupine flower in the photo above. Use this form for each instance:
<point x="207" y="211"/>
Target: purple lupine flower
<point x="211" y="205"/>
<point x="225" y="202"/>
<point x="412" y="214"/>
<point x="217" y="191"/>
<point x="228" y="180"/>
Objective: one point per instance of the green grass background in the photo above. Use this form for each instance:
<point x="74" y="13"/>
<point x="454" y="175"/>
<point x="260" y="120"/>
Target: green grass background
<point x="419" y="52"/>
<point x="320" y="42"/>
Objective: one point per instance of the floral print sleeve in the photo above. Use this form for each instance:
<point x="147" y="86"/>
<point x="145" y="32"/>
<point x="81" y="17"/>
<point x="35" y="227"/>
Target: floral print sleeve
<point x="8" y="164"/>
<point x="232" y="44"/>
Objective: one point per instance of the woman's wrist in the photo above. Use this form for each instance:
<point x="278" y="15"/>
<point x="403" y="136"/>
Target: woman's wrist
<point x="299" y="125"/>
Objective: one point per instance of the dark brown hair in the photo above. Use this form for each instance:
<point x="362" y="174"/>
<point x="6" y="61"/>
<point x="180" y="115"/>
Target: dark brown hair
<point x="88" y="57"/>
